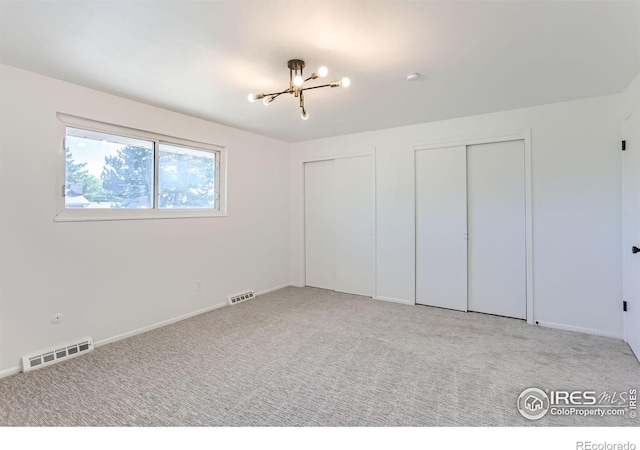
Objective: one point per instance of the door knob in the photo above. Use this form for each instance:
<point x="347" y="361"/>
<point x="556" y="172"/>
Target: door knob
<point x="635" y="249"/>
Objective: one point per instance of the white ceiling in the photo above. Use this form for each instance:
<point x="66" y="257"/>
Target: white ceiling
<point x="203" y="58"/>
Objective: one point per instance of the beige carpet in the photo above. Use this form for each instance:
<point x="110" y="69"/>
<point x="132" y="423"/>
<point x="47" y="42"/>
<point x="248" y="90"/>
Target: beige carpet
<point x="304" y="356"/>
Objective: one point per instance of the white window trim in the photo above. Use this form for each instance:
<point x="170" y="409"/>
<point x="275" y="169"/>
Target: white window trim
<point x="64" y="214"/>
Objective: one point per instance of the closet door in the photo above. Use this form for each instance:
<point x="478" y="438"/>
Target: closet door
<point x="496" y="224"/>
<point x="339" y="220"/>
<point x="441" y="227"/>
<point x="354" y="215"/>
<point x="320" y="223"/>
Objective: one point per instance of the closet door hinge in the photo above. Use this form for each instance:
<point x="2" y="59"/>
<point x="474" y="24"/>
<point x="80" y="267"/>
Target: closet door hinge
<point x="624" y="145"/>
<point x="624" y="305"/>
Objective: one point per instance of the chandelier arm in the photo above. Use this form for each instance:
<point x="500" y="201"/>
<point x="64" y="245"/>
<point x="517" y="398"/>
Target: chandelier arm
<point x="317" y="87"/>
<point x="276" y="94"/>
<point x="290" y="91"/>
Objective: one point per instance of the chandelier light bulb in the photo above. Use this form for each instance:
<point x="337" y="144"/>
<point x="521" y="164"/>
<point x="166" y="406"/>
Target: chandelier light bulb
<point x="251" y="98"/>
<point x="345" y="82"/>
<point x="297" y="81"/>
<point x="323" y="71"/>
<point x="304" y="115"/>
<point x="267" y="100"/>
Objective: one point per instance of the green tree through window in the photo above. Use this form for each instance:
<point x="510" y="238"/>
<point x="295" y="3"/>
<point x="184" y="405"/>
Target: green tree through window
<point x="186" y="180"/>
<point x="79" y="181"/>
<point x="128" y="177"/>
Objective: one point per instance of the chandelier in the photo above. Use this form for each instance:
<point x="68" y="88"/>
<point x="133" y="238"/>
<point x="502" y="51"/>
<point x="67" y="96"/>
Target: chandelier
<point x="296" y="85"/>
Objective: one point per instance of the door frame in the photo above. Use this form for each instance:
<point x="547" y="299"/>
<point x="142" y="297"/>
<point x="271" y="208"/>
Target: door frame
<point x="628" y="238"/>
<point x="302" y="216"/>
<point x="524" y="135"/>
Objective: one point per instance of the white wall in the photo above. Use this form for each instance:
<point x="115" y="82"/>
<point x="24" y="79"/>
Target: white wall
<point x="576" y="205"/>
<point x="110" y="278"/>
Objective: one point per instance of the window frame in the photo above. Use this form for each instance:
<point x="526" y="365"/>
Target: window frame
<point x="64" y="214"/>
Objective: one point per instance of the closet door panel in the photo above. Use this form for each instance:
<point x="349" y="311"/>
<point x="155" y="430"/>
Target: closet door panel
<point x="441" y="226"/>
<point x="320" y="223"/>
<point x="496" y="223"/>
<point x="354" y="215"/>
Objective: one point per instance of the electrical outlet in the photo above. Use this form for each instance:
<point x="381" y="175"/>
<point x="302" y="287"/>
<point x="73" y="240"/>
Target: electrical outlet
<point x="56" y="318"/>
<point x="199" y="285"/>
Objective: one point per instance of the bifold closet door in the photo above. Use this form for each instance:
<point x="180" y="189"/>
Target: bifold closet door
<point x="319" y="221"/>
<point x="497" y="227"/>
<point x="354" y="225"/>
<point x="441" y="227"/>
<point x="339" y="218"/>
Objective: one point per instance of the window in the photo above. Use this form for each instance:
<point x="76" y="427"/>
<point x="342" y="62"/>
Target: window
<point x="187" y="178"/>
<point x="107" y="171"/>
<point x="113" y="173"/>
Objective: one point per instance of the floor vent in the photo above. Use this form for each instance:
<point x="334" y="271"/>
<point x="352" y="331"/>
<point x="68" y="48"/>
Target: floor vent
<point x="241" y="297"/>
<point x="54" y="355"/>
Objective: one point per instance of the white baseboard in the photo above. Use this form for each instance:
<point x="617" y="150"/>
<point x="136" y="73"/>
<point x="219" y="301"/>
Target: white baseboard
<point x="10" y="371"/>
<point x="560" y="326"/>
<point x="394" y="300"/>
<point x="175" y="319"/>
<point x="277" y="288"/>
<point x="119" y="337"/>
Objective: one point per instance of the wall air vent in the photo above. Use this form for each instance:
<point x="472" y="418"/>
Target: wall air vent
<point x="233" y="299"/>
<point x="56" y="354"/>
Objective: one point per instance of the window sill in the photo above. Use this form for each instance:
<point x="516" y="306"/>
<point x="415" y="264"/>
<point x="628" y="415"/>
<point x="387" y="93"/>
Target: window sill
<point x="83" y="215"/>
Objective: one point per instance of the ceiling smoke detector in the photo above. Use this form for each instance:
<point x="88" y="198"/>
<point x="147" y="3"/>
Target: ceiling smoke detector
<point x="413" y="76"/>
